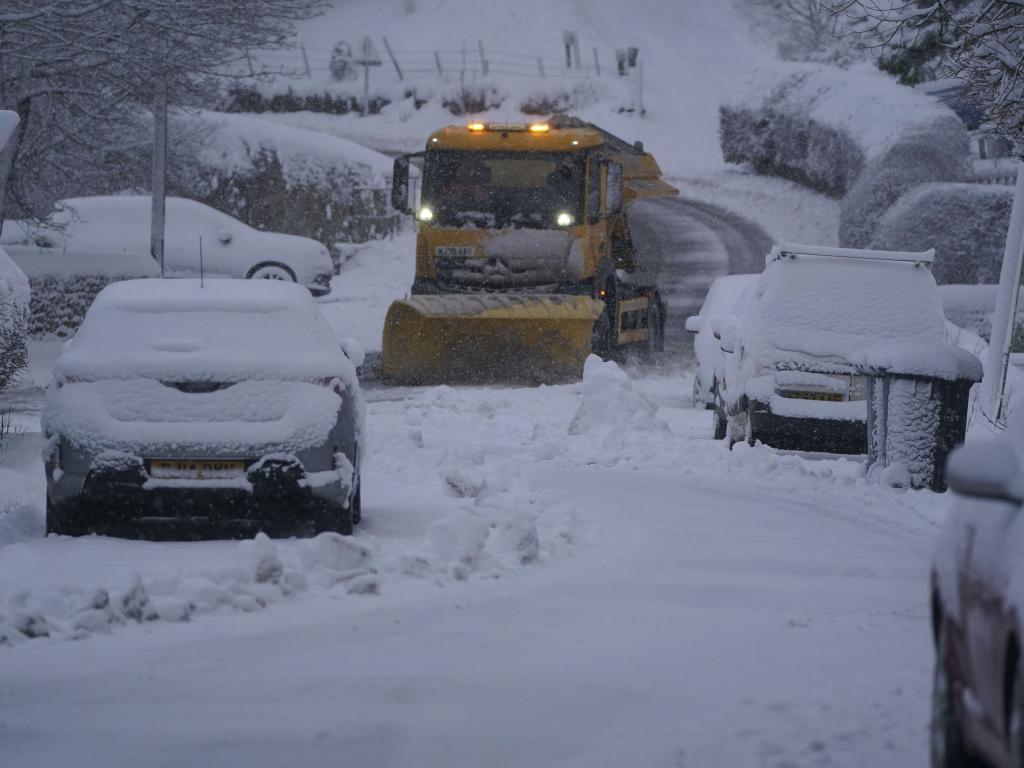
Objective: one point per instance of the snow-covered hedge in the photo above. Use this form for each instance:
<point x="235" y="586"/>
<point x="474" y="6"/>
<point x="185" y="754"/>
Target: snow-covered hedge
<point x="823" y="126"/>
<point x="965" y="223"/>
<point x="63" y="289"/>
<point x="937" y="152"/>
<point x="14" y="300"/>
<point x="283" y="179"/>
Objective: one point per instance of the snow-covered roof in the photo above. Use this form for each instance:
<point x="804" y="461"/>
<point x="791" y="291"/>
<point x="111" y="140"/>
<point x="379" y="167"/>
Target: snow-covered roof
<point x="227" y="331"/>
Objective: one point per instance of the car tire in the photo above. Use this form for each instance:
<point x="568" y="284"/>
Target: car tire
<point x="335" y="519"/>
<point x="271" y="270"/>
<point x="1015" y="726"/>
<point x="946" y="739"/>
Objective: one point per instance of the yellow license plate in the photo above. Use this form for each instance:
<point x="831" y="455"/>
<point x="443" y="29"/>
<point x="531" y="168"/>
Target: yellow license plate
<point x="832" y="397"/>
<point x="195" y="469"/>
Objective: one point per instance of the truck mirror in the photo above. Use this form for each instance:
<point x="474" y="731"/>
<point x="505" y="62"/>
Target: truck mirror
<point x="613" y="188"/>
<point x="400" y="185"/>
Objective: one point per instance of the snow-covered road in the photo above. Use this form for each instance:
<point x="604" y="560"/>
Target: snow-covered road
<point x="567" y="575"/>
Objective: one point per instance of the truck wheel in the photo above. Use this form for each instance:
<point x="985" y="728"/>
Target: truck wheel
<point x="655" y="329"/>
<point x="602" y="342"/>
<point x="57" y="521"/>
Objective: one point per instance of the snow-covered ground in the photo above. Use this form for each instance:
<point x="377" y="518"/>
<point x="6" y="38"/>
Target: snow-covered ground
<point x="570" y="575"/>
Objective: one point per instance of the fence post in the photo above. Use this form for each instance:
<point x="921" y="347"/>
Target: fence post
<point x="394" y="61"/>
<point x="437" y="60"/>
<point x="540" y="66"/>
<point x="483" y="59"/>
<point x="305" y="60"/>
<point x="597" y="62"/>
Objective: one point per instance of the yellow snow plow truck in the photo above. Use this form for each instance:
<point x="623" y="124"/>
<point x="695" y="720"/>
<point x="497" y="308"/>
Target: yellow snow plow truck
<point x="524" y="259"/>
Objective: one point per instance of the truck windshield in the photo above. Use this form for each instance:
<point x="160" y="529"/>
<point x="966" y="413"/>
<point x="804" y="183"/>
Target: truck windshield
<point x="503" y="189"/>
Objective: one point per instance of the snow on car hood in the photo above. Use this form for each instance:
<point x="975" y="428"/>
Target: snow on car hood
<point x="141" y="416"/>
<point x="227" y="331"/>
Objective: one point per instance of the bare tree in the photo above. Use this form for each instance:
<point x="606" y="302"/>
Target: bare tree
<point x="806" y="29"/>
<point x="80" y="74"/>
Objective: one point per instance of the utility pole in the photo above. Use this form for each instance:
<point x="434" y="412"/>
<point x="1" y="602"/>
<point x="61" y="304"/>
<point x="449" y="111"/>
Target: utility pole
<point x="370" y="59"/>
<point x="158" y="217"/>
<point x="1005" y="318"/>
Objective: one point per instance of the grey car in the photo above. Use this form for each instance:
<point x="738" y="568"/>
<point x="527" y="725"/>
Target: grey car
<point x="188" y="410"/>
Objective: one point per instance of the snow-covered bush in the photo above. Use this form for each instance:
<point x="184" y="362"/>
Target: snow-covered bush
<point x="822" y="126"/>
<point x="965" y="223"/>
<point x="937" y="152"/>
<point x="14" y="300"/>
<point x="63" y="289"/>
<point x="283" y="179"/>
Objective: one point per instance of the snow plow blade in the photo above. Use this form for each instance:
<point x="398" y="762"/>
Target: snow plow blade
<point x="488" y="339"/>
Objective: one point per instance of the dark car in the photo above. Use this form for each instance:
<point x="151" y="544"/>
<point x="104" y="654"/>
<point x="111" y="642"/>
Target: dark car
<point x="977" y="597"/>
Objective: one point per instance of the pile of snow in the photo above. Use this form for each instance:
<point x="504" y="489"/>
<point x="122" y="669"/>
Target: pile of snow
<point x="610" y="403"/>
<point x="822" y="125"/>
<point x="966" y="224"/>
<point x="14" y="309"/>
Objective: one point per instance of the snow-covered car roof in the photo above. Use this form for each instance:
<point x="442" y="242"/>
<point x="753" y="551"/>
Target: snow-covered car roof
<point x="824" y="308"/>
<point x="229" y="330"/>
<point x="724" y="295"/>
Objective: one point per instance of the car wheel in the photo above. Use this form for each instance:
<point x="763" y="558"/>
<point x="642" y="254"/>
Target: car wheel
<point x="335" y="519"/>
<point x="1016" y="717"/>
<point x="946" y="735"/>
<point x="721" y="425"/>
<point x="271" y="271"/>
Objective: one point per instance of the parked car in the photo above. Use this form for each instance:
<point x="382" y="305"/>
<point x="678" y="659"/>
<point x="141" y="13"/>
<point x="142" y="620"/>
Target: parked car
<point x="977" y="603"/>
<point x="726" y="299"/>
<point x="179" y="408"/>
<point x="120" y="224"/>
<point x="787" y="381"/>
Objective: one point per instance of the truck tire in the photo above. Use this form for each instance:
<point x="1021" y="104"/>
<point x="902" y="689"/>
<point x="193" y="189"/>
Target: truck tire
<point x="721" y="425"/>
<point x="655" y="329"/>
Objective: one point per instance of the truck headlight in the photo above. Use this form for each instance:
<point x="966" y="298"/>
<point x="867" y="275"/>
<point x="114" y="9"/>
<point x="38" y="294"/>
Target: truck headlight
<point x="425" y="214"/>
<point x="565" y="219"/>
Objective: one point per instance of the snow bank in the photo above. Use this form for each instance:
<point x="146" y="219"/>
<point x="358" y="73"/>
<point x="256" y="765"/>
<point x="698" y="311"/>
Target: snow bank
<point x="610" y="403"/>
<point x="14" y="310"/>
<point x="822" y="125"/>
<point x="965" y="223"/>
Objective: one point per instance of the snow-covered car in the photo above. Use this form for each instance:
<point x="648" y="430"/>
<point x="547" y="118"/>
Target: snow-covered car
<point x="726" y="299"/>
<point x="180" y="407"/>
<point x="977" y="607"/>
<point x="788" y="379"/>
<point x="121" y="224"/>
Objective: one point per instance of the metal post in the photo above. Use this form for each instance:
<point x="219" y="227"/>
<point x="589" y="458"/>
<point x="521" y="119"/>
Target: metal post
<point x="540" y="66"/>
<point x="437" y="60"/>
<point x="394" y="61"/>
<point x="366" y="76"/>
<point x="305" y="60"/>
<point x="597" y="62"/>
<point x="1005" y="317"/>
<point x="159" y="192"/>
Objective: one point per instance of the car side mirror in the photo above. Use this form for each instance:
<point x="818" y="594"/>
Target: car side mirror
<point x="224" y="235"/>
<point x="693" y="323"/>
<point x="986" y="470"/>
<point x="354" y="351"/>
<point x="400" y="185"/>
<point x="727" y="336"/>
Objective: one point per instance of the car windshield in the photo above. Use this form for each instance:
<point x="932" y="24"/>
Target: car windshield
<point x="503" y="189"/>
